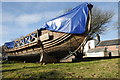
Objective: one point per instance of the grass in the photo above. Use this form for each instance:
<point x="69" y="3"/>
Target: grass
<point x="107" y="68"/>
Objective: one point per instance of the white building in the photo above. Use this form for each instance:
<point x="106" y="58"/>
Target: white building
<point x="90" y="50"/>
<point x="90" y="45"/>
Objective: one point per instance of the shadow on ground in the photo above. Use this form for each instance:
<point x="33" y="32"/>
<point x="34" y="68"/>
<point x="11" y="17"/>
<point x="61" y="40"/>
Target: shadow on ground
<point x="9" y="70"/>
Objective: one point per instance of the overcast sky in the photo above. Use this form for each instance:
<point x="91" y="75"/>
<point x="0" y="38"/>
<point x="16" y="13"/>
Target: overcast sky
<point x="22" y="18"/>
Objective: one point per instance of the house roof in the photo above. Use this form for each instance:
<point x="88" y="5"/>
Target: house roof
<point x="110" y="42"/>
<point x="94" y="50"/>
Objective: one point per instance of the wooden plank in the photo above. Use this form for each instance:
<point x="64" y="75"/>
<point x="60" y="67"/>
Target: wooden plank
<point x="45" y="37"/>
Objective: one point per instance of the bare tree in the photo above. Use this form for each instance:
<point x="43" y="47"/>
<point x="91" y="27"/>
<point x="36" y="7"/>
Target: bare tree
<point x="99" y="20"/>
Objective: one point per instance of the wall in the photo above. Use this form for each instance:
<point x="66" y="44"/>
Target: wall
<point x="89" y="45"/>
<point x="114" y="49"/>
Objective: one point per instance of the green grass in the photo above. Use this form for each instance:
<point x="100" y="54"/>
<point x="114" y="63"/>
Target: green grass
<point x="107" y="68"/>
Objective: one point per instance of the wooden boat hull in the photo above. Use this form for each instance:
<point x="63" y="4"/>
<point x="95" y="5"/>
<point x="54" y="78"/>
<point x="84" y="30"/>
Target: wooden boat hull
<point x="52" y="50"/>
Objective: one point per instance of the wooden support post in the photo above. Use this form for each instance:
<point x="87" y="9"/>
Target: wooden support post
<point x="41" y="58"/>
<point x="38" y="40"/>
<point x="39" y="43"/>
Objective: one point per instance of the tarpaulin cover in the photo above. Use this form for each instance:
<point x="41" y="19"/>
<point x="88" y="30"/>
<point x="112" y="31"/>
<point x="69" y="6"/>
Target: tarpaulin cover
<point x="72" y="22"/>
<point x="9" y="44"/>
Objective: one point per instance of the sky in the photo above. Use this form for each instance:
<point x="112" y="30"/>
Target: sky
<point x="22" y="18"/>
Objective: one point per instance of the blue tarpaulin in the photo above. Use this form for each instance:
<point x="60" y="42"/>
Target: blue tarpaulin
<point x="9" y="44"/>
<point x="72" y="22"/>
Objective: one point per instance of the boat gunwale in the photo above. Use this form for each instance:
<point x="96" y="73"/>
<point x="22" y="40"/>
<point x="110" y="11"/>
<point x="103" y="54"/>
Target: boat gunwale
<point x="35" y="43"/>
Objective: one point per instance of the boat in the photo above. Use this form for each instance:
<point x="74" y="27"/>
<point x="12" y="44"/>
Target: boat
<point x="56" y="40"/>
